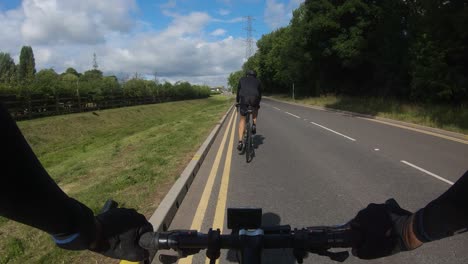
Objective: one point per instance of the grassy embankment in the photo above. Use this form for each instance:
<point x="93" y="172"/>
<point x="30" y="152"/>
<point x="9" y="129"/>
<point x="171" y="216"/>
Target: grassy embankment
<point x="132" y="155"/>
<point x="438" y="116"/>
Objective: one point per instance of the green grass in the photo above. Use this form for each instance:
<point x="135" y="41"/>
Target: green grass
<point x="438" y="116"/>
<point x="132" y="155"/>
<point x="13" y="249"/>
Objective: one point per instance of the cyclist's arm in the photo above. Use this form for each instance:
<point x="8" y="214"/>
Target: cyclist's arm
<point x="28" y="194"/>
<point x="238" y="90"/>
<point x="260" y="91"/>
<point x="446" y="215"/>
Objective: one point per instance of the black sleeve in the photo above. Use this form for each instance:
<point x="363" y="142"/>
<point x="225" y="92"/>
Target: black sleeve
<point x="28" y="194"/>
<point x="260" y="90"/>
<point x="238" y="91"/>
<point x="446" y="215"/>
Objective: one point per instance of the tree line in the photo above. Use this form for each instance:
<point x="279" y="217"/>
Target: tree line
<point x="22" y="81"/>
<point x="406" y="49"/>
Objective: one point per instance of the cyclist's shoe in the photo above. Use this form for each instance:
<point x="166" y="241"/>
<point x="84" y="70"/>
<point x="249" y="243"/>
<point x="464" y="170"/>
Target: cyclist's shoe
<point x="254" y="129"/>
<point x="239" y="146"/>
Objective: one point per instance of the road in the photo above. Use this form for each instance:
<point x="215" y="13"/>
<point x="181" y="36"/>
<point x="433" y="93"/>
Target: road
<point x="317" y="167"/>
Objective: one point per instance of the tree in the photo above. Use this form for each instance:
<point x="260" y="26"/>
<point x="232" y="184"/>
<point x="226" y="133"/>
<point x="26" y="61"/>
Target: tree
<point x="47" y="83"/>
<point x="438" y="53"/>
<point x="27" y="65"/>
<point x="7" y="69"/>
<point x="233" y="80"/>
<point x="90" y="83"/>
<point x="184" y="90"/>
<point x="136" y="88"/>
<point x="69" y="83"/>
<point x="72" y="71"/>
<point x="111" y="86"/>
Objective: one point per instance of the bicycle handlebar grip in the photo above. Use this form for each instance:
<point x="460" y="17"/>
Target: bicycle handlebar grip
<point x="110" y="204"/>
<point x="149" y="241"/>
<point x="334" y="236"/>
<point x="344" y="236"/>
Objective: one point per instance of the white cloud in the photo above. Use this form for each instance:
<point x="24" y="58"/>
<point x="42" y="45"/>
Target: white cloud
<point x="279" y="14"/>
<point x="218" y="32"/>
<point x="229" y="21"/>
<point x="224" y="12"/>
<point x="10" y="37"/>
<point x="189" y="24"/>
<point x="85" y="21"/>
<point x="169" y="4"/>
<point x="61" y="38"/>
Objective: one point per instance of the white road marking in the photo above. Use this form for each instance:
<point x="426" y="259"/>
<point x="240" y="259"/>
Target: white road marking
<point x="427" y="172"/>
<point x="377" y="149"/>
<point x="417" y="130"/>
<point x="326" y="128"/>
<point x="293" y="115"/>
<point x="276" y="108"/>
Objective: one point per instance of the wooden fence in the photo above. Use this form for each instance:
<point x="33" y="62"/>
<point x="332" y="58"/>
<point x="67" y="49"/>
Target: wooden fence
<point x="22" y="108"/>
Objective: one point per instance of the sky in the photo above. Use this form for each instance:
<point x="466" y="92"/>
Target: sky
<point x="180" y="40"/>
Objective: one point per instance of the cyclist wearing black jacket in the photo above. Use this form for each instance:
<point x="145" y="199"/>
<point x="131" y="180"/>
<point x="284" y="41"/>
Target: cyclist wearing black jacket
<point x="249" y="92"/>
<point x="28" y="195"/>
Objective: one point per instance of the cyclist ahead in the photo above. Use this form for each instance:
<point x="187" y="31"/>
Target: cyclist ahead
<point x="249" y="92"/>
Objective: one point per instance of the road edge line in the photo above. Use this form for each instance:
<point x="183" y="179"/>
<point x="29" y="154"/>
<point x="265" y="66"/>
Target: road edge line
<point x="436" y="132"/>
<point x="164" y="214"/>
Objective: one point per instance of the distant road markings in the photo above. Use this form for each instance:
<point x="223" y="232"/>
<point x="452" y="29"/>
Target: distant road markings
<point x="427" y="172"/>
<point x="377" y="149"/>
<point x="202" y="206"/>
<point x="298" y="117"/>
<point x="418" y="130"/>
<point x="333" y="131"/>
<point x="276" y="108"/>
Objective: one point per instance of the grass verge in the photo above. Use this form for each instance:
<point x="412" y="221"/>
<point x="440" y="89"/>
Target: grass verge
<point x="445" y="117"/>
<point x="132" y="155"/>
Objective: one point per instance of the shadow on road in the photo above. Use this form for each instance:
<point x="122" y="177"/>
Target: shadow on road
<point x="258" y="140"/>
<point x="269" y="255"/>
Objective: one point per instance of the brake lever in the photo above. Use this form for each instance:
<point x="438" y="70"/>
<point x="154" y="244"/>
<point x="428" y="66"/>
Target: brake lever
<point x="168" y="259"/>
<point x="335" y="256"/>
<point x="173" y="258"/>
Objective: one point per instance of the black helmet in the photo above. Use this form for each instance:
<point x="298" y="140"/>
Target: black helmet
<point x="251" y="73"/>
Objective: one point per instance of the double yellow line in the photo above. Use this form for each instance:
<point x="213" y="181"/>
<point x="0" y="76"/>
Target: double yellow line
<point x="206" y="195"/>
<point x="218" y="221"/>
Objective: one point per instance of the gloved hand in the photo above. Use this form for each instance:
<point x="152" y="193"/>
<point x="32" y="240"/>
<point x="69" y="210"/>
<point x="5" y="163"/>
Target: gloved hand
<point x="119" y="230"/>
<point x="386" y="229"/>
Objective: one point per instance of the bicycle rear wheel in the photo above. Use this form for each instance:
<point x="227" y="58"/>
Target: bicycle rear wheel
<point x="248" y="145"/>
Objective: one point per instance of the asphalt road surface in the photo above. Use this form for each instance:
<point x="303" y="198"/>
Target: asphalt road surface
<point x="317" y="167"/>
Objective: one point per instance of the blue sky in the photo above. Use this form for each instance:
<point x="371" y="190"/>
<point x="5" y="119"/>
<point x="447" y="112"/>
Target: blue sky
<point x="197" y="41"/>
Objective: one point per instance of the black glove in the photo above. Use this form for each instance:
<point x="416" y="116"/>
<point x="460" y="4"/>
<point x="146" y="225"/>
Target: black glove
<point x="121" y="229"/>
<point x="384" y="230"/>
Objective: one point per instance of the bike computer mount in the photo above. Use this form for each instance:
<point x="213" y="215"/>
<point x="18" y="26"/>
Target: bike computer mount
<point x="244" y="218"/>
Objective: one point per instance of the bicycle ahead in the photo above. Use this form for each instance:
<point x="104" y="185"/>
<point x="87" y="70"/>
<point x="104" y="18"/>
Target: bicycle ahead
<point x="249" y="239"/>
<point x="247" y="140"/>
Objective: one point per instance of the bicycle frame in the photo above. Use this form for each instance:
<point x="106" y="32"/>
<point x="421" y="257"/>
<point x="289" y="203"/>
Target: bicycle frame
<point x="248" y="140"/>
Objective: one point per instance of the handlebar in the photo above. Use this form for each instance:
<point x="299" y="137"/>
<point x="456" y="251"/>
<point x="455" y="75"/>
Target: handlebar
<point x="250" y="242"/>
<point x="307" y="240"/>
